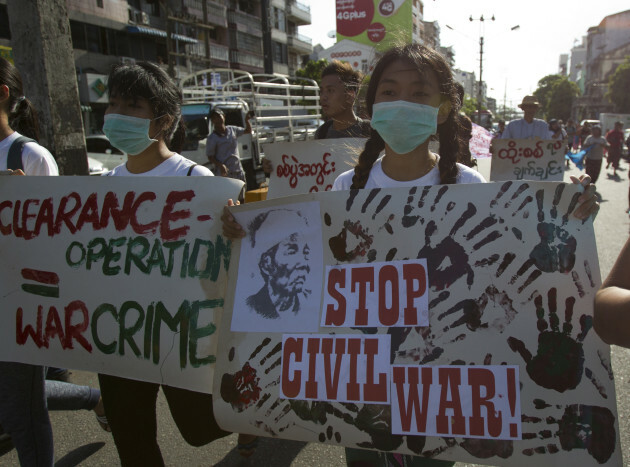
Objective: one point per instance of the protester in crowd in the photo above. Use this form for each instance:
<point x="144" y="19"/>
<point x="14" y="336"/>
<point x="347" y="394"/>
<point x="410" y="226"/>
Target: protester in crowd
<point x="23" y="412"/>
<point x="222" y="145"/>
<point x="338" y="91"/>
<point x="612" y="303"/>
<point x="584" y="132"/>
<point x="615" y="145"/>
<point x="62" y="395"/>
<point x="411" y="96"/>
<point x="143" y="119"/>
<point x="595" y="144"/>
<point x="527" y="127"/>
<point x="571" y="130"/>
<point x="557" y="132"/>
<point x="500" y="129"/>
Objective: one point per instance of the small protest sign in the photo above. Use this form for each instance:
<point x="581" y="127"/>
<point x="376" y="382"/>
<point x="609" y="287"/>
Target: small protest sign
<point x="527" y="159"/>
<point x="309" y="166"/>
<point x="480" y="142"/>
<point x="109" y="274"/>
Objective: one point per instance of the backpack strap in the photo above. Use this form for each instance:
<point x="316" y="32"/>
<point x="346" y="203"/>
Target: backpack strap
<point x="190" y="170"/>
<point x="323" y="130"/>
<point x="14" y="159"/>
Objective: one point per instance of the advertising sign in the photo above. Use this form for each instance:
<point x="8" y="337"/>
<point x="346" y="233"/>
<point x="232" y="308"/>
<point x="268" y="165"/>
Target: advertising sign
<point x="377" y="23"/>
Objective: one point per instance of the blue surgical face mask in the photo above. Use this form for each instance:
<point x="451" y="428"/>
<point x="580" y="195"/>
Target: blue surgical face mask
<point x="129" y="134"/>
<point x="404" y="125"/>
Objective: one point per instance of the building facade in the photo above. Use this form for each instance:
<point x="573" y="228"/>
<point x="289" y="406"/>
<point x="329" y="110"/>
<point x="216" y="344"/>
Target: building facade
<point x="607" y="46"/>
<point x="184" y="36"/>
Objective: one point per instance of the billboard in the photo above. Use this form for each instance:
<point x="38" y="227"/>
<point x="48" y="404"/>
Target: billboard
<point x="377" y="23"/>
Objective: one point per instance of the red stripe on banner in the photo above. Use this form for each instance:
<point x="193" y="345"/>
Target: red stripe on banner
<point x="43" y="277"/>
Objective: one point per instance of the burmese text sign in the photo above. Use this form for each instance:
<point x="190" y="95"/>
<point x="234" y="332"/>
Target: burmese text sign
<point x="527" y="159"/>
<point x="309" y="166"/>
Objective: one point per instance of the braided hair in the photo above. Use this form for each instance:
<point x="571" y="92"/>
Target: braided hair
<point x="423" y="58"/>
<point x="21" y="112"/>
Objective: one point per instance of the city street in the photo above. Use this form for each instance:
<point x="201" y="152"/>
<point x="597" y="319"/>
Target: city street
<point x="80" y="441"/>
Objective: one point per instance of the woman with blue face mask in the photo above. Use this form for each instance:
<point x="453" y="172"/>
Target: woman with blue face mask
<point x="143" y="119"/>
<point x="411" y="97"/>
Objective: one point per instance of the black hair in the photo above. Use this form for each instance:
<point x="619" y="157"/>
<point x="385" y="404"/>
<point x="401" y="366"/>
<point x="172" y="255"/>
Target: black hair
<point x="22" y="113"/>
<point x="423" y="58"/>
<point x="350" y="77"/>
<point x="149" y="81"/>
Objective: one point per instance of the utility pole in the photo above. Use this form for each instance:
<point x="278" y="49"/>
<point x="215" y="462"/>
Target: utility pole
<point x="479" y="91"/>
<point x="42" y="50"/>
<point x="266" y="32"/>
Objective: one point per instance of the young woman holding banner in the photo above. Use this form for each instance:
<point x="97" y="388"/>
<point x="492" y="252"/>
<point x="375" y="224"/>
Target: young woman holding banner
<point x="411" y="96"/>
<point x="144" y="120"/>
<point x="23" y="412"/>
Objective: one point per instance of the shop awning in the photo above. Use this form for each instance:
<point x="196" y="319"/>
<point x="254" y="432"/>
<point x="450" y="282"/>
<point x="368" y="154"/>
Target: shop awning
<point x="159" y="33"/>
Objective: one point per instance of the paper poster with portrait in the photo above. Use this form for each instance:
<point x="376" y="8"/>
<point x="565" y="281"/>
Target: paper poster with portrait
<point x="279" y="270"/>
<point x="309" y="166"/>
<point x="527" y="159"/>
<point x="508" y="371"/>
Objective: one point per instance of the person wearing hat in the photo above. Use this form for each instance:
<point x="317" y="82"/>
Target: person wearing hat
<point x="283" y="262"/>
<point x="222" y="145"/>
<point x="527" y="127"/>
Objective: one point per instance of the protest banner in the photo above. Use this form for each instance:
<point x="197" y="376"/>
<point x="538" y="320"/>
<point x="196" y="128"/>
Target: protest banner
<point x="508" y="371"/>
<point x="309" y="166"/>
<point x="480" y="142"/>
<point x="112" y="274"/>
<point x="527" y="159"/>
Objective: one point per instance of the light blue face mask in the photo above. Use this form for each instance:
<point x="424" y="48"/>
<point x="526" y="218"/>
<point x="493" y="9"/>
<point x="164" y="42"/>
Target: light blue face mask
<point x="129" y="134"/>
<point x="404" y="125"/>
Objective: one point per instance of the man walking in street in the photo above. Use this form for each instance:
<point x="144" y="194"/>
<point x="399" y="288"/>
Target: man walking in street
<point x="527" y="127"/>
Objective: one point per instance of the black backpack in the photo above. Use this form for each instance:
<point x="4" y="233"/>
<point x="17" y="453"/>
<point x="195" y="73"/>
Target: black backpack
<point x="14" y="159"/>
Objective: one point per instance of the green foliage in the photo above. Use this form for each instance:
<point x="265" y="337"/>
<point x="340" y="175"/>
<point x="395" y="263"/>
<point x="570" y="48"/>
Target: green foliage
<point x="313" y="70"/>
<point x="563" y="92"/>
<point x="619" y="87"/>
<point x="556" y="94"/>
<point x="469" y="107"/>
<point x="543" y="93"/>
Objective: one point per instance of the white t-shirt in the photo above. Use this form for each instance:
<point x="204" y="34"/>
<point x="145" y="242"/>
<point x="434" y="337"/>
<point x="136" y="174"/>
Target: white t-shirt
<point x="174" y="166"/>
<point x="520" y="129"/>
<point x="378" y="179"/>
<point x="36" y="159"/>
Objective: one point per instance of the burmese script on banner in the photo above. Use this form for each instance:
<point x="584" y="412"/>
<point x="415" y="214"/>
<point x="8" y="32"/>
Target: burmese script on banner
<point x="309" y="166"/>
<point x="527" y="159"/>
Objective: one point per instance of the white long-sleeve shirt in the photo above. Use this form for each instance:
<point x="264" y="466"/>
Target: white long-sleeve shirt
<point x="520" y="129"/>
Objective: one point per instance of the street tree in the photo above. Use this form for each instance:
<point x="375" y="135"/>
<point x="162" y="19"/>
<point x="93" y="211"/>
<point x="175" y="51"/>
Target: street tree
<point x="312" y="69"/>
<point x="619" y="87"/>
<point x="543" y="92"/>
<point x="560" y="100"/>
<point x="469" y="107"/>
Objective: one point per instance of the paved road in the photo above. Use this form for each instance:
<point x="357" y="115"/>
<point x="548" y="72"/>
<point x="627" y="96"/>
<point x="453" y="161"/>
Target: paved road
<point x="80" y="441"/>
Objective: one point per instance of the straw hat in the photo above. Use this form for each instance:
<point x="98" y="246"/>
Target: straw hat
<point x="529" y="100"/>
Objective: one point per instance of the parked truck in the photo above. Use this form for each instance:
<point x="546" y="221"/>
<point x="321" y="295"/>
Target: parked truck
<point x="284" y="108"/>
<point x="607" y="121"/>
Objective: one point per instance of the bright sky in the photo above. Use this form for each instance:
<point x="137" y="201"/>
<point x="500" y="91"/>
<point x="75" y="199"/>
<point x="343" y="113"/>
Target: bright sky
<point x="513" y="61"/>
